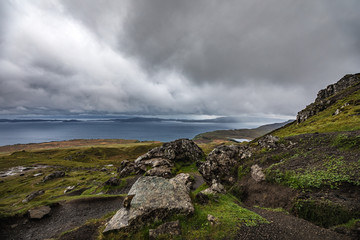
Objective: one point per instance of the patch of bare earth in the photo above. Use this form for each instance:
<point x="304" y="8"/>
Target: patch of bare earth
<point x="283" y="226"/>
<point x="63" y="217"/>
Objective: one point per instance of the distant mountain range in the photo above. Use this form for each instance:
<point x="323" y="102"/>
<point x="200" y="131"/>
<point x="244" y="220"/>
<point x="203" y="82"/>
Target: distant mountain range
<point x="133" y="119"/>
<point x="238" y="133"/>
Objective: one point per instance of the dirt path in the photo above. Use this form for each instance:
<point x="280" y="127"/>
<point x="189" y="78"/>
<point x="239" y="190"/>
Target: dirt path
<point x="63" y="217"/>
<point x="285" y="226"/>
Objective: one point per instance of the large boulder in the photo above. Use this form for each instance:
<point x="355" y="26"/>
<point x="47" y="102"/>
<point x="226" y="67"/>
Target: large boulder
<point x="153" y="198"/>
<point x="220" y="163"/>
<point x="39" y="212"/>
<point x="179" y="150"/>
<point x="159" y="161"/>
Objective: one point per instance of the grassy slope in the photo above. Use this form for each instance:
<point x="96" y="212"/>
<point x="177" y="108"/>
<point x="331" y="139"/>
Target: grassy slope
<point x="347" y="120"/>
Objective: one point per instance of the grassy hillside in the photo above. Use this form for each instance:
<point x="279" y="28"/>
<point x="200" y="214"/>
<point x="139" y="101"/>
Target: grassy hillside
<point x="348" y="118"/>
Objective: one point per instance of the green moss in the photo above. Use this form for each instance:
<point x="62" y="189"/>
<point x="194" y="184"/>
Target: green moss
<point x="345" y="142"/>
<point x="333" y="173"/>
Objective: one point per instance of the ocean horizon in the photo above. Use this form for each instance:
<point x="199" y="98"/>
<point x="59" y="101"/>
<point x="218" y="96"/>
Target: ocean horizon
<point x="20" y="131"/>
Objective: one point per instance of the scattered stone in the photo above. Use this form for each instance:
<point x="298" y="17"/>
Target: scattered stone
<point x="215" y="188"/>
<point x="104" y="169"/>
<point x="33" y="195"/>
<point x="37" y="174"/>
<point x="68" y="189"/>
<point x="269" y="142"/>
<point x="39" y="212"/>
<point x="257" y="174"/>
<point x="22" y="174"/>
<point x="169" y="228"/>
<point x="202" y="198"/>
<point x="127" y="201"/>
<point x="13" y="226"/>
<point x="154" y="198"/>
<point x="113" y="181"/>
<point x="57" y="174"/>
<point x="213" y="220"/>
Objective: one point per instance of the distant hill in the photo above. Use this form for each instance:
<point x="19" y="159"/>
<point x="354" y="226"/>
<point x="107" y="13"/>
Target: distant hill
<point x="336" y="108"/>
<point x="238" y="133"/>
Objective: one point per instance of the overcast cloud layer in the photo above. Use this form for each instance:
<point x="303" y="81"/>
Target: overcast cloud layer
<point x="173" y="57"/>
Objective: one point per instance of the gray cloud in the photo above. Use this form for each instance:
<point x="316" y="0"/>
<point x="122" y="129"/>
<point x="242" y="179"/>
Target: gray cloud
<point x="173" y="57"/>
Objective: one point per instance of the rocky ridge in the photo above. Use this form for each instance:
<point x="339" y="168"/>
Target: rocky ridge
<point x="328" y="96"/>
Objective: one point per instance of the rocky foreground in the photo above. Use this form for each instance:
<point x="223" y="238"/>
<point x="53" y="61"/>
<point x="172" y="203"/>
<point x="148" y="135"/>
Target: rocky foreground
<point x="280" y="186"/>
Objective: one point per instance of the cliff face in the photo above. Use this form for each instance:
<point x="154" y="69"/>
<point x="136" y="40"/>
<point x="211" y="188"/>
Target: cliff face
<point x="328" y="96"/>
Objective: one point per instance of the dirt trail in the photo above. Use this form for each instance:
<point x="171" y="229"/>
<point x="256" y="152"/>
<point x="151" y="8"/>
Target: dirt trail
<point x="284" y="227"/>
<point x="65" y="216"/>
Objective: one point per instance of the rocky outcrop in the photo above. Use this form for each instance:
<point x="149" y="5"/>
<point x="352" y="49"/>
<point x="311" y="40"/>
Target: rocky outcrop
<point x="39" y="212"/>
<point x="33" y="195"/>
<point x="328" y="96"/>
<point x="159" y="161"/>
<point x="51" y="176"/>
<point x="180" y="150"/>
<point x="221" y="161"/>
<point x="215" y="188"/>
<point x="113" y="181"/>
<point x="257" y="173"/>
<point x="168" y="229"/>
<point x="268" y="141"/>
<point x="153" y="198"/>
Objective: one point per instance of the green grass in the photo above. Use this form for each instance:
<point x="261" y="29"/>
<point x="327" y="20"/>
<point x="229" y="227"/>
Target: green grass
<point x="333" y="173"/>
<point x="347" y="120"/>
<point x="82" y="170"/>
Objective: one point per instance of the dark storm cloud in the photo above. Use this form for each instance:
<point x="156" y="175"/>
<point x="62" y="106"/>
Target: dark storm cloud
<point x="173" y="57"/>
<point x="279" y="41"/>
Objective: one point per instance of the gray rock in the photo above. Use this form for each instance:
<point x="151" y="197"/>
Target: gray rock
<point x="179" y="150"/>
<point x="215" y="188"/>
<point x="57" y="174"/>
<point x="39" y="212"/>
<point x="113" y="181"/>
<point x="221" y="161"/>
<point x="154" y="198"/>
<point x="33" y="195"/>
<point x="257" y="174"/>
<point x="327" y="97"/>
<point x="162" y="171"/>
<point x="213" y="220"/>
<point x="169" y="228"/>
<point x="268" y="141"/>
<point x="69" y="189"/>
<point x="160" y="160"/>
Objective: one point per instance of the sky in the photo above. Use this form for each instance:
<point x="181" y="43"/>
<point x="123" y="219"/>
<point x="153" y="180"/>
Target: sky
<point x="168" y="57"/>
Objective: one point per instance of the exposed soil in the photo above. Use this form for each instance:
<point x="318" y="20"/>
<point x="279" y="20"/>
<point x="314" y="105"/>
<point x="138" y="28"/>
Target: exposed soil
<point x="65" y="216"/>
<point x="267" y="194"/>
<point x="284" y="226"/>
